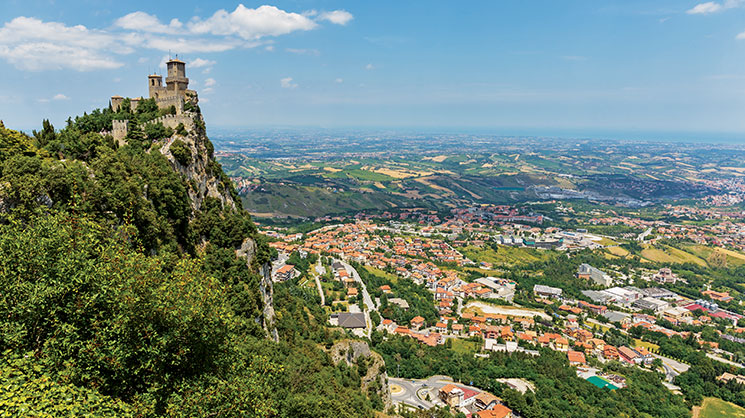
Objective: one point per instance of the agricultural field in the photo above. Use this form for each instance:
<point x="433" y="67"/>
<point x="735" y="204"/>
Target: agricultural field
<point x="435" y="172"/>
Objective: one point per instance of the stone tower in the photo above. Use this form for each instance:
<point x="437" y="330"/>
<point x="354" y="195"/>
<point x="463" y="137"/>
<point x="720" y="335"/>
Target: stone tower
<point x="120" y="129"/>
<point x="154" y="84"/>
<point x="176" y="80"/>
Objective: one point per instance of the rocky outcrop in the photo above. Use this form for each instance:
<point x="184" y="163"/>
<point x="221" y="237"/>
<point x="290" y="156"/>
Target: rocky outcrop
<point x="202" y="173"/>
<point x="351" y="352"/>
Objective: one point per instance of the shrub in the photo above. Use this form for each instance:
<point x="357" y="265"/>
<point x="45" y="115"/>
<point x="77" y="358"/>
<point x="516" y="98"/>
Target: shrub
<point x="181" y="152"/>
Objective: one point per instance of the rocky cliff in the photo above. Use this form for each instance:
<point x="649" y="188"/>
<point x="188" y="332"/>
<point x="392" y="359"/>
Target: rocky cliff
<point x="191" y="154"/>
<point x="202" y="171"/>
<point x="375" y="377"/>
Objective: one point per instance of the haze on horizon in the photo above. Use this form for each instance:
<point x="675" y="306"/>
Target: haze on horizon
<point x="541" y="66"/>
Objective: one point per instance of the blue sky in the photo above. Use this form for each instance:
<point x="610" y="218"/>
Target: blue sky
<point x="543" y="66"/>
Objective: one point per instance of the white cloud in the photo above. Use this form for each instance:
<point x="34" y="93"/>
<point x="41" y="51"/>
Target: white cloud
<point x="34" y="45"/>
<point x="190" y="45"/>
<point x="740" y="36"/>
<point x="313" y="52"/>
<point x="705" y="8"/>
<point x="199" y="62"/>
<point x="252" y="24"/>
<point x="713" y="7"/>
<point x="141" y="21"/>
<point x="339" y="80"/>
<point x="209" y="85"/>
<point x="369" y="67"/>
<point x="56" y="97"/>
<point x="338" y="17"/>
<point x="287" y="83"/>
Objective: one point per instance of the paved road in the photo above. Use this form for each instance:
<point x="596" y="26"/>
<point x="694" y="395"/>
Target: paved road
<point x="644" y="234"/>
<point x="365" y="296"/>
<point x="320" y="270"/>
<point x="408" y="396"/>
<point x="672" y="367"/>
<point x="370" y="305"/>
<point x="723" y="360"/>
<point x="413" y="387"/>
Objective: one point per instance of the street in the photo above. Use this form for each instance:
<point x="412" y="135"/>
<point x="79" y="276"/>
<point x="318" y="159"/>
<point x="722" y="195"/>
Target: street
<point x="369" y="304"/>
<point x="320" y="270"/>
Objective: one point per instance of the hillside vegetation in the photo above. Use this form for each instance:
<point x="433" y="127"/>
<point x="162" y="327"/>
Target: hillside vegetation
<point x="121" y="293"/>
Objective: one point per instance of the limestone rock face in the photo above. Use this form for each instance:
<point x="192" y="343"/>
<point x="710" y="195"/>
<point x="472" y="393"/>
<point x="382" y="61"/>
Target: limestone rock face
<point x="247" y="250"/>
<point x="353" y="352"/>
<point x="202" y="174"/>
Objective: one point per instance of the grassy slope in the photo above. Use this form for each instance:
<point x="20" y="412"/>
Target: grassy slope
<point x="505" y="255"/>
<point x="717" y="408"/>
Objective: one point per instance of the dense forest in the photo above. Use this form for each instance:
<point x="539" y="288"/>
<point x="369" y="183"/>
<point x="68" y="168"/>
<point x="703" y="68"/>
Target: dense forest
<point x="119" y="299"/>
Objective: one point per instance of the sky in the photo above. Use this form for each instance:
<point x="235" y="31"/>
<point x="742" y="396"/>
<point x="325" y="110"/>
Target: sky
<point x="672" y="67"/>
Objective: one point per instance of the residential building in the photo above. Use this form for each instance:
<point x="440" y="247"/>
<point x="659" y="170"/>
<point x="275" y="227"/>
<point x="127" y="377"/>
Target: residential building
<point x="401" y="303"/>
<point x="499" y="411"/>
<point x="665" y="275"/>
<point x="417" y="322"/>
<point x="286" y="272"/>
<point x="349" y="320"/>
<point x="628" y="355"/>
<point x="486" y="400"/>
<point x="576" y="358"/>
<point x="452" y="395"/>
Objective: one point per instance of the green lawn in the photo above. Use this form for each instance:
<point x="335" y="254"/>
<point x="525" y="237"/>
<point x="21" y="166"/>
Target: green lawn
<point x="380" y="273"/>
<point x="649" y="346"/>
<point x="505" y="255"/>
<point x="717" y="408"/>
<point x="465" y="347"/>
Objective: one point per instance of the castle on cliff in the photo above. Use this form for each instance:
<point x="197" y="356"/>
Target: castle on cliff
<point x="175" y="93"/>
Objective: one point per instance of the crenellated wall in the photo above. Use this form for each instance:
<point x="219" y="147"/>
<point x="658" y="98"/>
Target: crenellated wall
<point x="172" y="121"/>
